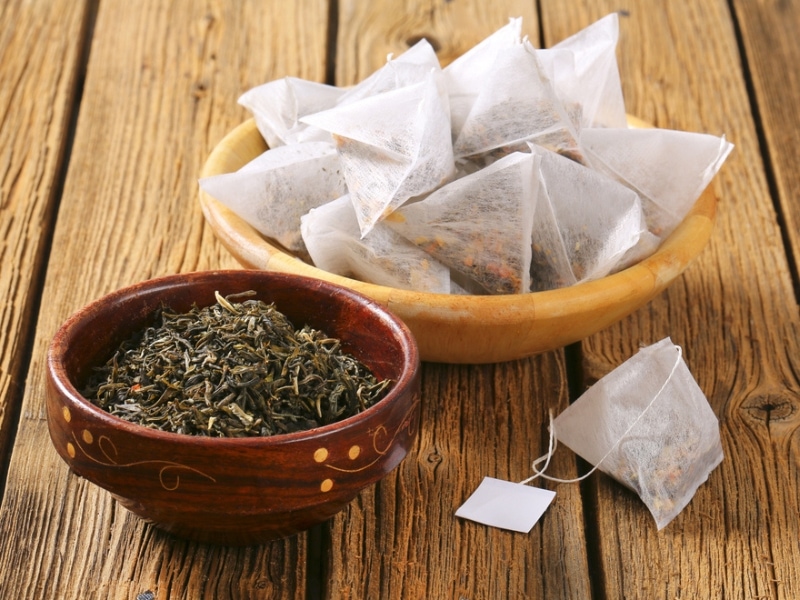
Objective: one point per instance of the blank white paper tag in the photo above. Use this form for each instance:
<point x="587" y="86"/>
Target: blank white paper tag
<point x="506" y="505"/>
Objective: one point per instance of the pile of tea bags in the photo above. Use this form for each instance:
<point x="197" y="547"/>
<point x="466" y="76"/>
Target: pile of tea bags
<point x="510" y="170"/>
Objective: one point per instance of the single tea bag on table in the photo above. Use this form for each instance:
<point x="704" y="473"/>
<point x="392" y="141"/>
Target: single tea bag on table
<point x="479" y="225"/>
<point x="585" y="223"/>
<point x="383" y="257"/>
<point x="648" y="425"/>
<point x="393" y="146"/>
<point x="277" y="107"/>
<point x="276" y="188"/>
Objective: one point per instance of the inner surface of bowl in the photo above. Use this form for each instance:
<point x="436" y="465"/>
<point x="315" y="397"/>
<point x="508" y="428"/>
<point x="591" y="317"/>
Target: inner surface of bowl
<point x="473" y="329"/>
<point x="234" y="490"/>
<point x="305" y="302"/>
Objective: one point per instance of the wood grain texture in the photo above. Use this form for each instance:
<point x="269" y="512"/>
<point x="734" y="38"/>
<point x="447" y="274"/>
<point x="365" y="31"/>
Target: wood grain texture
<point x="769" y="38"/>
<point x="733" y="312"/>
<point x="368" y="32"/>
<point x="161" y="90"/>
<point x="40" y="56"/>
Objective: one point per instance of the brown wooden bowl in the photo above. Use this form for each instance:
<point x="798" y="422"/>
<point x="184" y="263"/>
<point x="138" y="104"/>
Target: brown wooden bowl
<point x="234" y="490"/>
<point x="473" y="329"/>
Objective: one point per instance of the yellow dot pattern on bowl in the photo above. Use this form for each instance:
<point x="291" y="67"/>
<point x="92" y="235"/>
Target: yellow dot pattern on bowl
<point x="322" y="454"/>
<point x="87" y="436"/>
<point x="70" y="450"/>
<point x="66" y="414"/>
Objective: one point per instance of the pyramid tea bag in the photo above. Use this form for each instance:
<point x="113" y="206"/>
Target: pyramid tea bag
<point x="393" y="146"/>
<point x="333" y="238"/>
<point x="648" y="425"/>
<point x="479" y="225"/>
<point x="668" y="169"/>
<point x="411" y="67"/>
<point x="275" y="189"/>
<point x="646" y="246"/>
<point x="466" y="75"/>
<point x="277" y="107"/>
<point x="585" y="223"/>
<point x="517" y="104"/>
<point x="583" y="70"/>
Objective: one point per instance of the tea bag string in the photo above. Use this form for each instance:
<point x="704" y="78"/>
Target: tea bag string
<point x="553" y="443"/>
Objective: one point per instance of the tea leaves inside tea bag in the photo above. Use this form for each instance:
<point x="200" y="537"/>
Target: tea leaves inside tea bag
<point x="479" y="225"/>
<point x="648" y="425"/>
<point x="393" y="146"/>
<point x="383" y="256"/>
<point x="275" y="189"/>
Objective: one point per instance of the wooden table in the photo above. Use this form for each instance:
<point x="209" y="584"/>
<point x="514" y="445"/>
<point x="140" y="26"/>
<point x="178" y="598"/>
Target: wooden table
<point x="107" y="113"/>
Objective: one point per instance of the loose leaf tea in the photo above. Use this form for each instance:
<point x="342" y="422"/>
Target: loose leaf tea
<point x="232" y="370"/>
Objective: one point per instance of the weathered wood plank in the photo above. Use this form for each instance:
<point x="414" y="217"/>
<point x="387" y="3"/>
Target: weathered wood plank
<point x="769" y="36"/>
<point x="733" y="312"/>
<point x="161" y="90"/>
<point x="401" y="539"/>
<point x="40" y="51"/>
<point x="368" y="32"/>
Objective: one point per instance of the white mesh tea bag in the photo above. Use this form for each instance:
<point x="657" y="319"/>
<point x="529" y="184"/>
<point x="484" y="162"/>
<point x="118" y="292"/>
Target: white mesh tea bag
<point x="275" y="189"/>
<point x="517" y="104"/>
<point x="668" y="169"/>
<point x="382" y="257"/>
<point x="583" y="70"/>
<point x="393" y="146"/>
<point x="466" y="76"/>
<point x="648" y="425"/>
<point x="585" y="223"/>
<point x="411" y="67"/>
<point x="277" y="107"/>
<point x="479" y="225"/>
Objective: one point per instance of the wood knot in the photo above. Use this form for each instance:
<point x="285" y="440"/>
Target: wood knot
<point x="434" y="458"/>
<point x="773" y="407"/>
<point x="430" y="461"/>
<point x="199" y="90"/>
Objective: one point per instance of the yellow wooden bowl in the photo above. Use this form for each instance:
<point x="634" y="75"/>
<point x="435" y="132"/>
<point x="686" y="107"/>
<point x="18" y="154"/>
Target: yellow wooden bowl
<point x="473" y="329"/>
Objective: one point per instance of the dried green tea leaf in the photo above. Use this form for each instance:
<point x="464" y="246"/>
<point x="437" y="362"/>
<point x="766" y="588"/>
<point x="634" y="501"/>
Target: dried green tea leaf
<point x="232" y="370"/>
